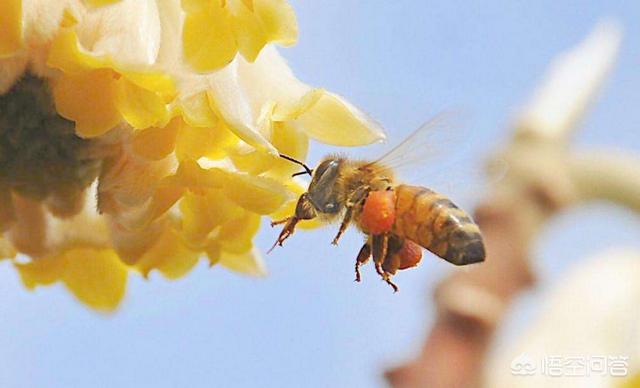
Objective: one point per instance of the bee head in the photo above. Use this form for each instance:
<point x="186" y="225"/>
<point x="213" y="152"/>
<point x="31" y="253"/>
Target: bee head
<point x="322" y="189"/>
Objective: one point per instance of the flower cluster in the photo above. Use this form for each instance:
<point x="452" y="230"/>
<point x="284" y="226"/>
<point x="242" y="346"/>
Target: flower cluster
<point x="140" y="135"/>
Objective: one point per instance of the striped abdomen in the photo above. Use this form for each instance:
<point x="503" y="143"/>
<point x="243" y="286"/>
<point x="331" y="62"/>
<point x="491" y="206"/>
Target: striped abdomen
<point x="438" y="225"/>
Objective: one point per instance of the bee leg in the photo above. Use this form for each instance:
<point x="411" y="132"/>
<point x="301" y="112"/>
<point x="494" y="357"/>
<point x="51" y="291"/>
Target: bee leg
<point x="343" y="226"/>
<point x="278" y="222"/>
<point x="380" y="249"/>
<point x="392" y="260"/>
<point x="287" y="231"/>
<point x="304" y="211"/>
<point x="391" y="264"/>
<point x="363" y="257"/>
<point x="354" y="200"/>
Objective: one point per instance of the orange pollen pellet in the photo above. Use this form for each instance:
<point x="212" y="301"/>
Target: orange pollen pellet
<point x="410" y="254"/>
<point x="379" y="212"/>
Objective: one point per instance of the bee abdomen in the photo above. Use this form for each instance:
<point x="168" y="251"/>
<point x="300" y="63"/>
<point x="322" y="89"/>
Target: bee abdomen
<point x="438" y="225"/>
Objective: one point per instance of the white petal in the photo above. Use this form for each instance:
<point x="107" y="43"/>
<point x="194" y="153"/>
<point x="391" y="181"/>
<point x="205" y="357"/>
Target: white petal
<point x="224" y="88"/>
<point x="41" y="18"/>
<point x="128" y="31"/>
<point x="87" y="228"/>
<point x="592" y="312"/>
<point x="231" y="99"/>
<point x="171" y="20"/>
<point x="269" y="78"/>
<point x="571" y="83"/>
<point x="331" y="119"/>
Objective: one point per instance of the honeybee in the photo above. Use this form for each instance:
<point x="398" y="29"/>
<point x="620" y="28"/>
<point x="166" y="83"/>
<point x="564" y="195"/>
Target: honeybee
<point x="397" y="219"/>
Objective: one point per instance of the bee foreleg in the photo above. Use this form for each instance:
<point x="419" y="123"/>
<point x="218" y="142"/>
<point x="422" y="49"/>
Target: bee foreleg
<point x="287" y="231"/>
<point x="343" y="226"/>
<point x="304" y="211"/>
<point x="363" y="257"/>
<point x="278" y="222"/>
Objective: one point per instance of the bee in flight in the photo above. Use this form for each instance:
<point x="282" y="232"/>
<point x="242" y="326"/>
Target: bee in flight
<point x="398" y="220"/>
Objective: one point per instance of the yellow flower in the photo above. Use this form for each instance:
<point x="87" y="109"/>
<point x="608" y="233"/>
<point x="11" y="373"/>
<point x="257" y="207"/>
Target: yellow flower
<point x="215" y="31"/>
<point x="126" y="147"/>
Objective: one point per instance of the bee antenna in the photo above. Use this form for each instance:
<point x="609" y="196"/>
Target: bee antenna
<point x="299" y="173"/>
<point x="307" y="170"/>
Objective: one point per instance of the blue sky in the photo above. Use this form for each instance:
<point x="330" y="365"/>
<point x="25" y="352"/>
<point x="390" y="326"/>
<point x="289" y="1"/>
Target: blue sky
<point x="308" y="323"/>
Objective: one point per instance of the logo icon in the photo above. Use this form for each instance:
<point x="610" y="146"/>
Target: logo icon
<point x="523" y="365"/>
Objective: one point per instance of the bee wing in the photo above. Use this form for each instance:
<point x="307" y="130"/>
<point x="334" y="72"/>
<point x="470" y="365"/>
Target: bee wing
<point x="433" y="143"/>
<point x="440" y="154"/>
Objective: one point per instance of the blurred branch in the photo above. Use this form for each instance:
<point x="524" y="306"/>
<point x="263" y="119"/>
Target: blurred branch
<point x="607" y="174"/>
<point x="544" y="177"/>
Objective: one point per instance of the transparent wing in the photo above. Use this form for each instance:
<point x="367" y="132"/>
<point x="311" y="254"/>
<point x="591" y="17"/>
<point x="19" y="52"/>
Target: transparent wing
<point x="434" y="142"/>
<point x="443" y="154"/>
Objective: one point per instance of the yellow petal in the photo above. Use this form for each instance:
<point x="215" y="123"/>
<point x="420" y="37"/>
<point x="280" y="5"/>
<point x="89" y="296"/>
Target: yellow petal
<point x="170" y="256"/>
<point x="159" y="83"/>
<point x="88" y="99"/>
<point x="203" y="212"/>
<point x="130" y="181"/>
<point x="257" y="194"/>
<point x="321" y="115"/>
<point x="191" y="6"/>
<point x="10" y="26"/>
<point x="213" y="250"/>
<point x="251" y="161"/>
<point x="142" y="108"/>
<point x="278" y="20"/>
<point x="237" y="234"/>
<point x="156" y="143"/>
<point x="212" y="142"/>
<point x="96" y="277"/>
<point x="333" y="120"/>
<point x="191" y="175"/>
<point x="65" y="54"/>
<point x="132" y="244"/>
<point x="290" y="110"/>
<point x="42" y="272"/>
<point x="196" y="111"/>
<point x="265" y="21"/>
<point x="7" y="251"/>
<point x="208" y="38"/>
<point x="249" y="263"/>
<point x="100" y="3"/>
<point x="248" y="4"/>
<point x="232" y="107"/>
<point x="289" y="141"/>
<point x="69" y="19"/>
<point x="168" y="192"/>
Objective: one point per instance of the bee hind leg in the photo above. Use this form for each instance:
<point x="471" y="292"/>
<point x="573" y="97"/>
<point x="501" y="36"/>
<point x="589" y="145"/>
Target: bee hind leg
<point x="363" y="256"/>
<point x="380" y="249"/>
